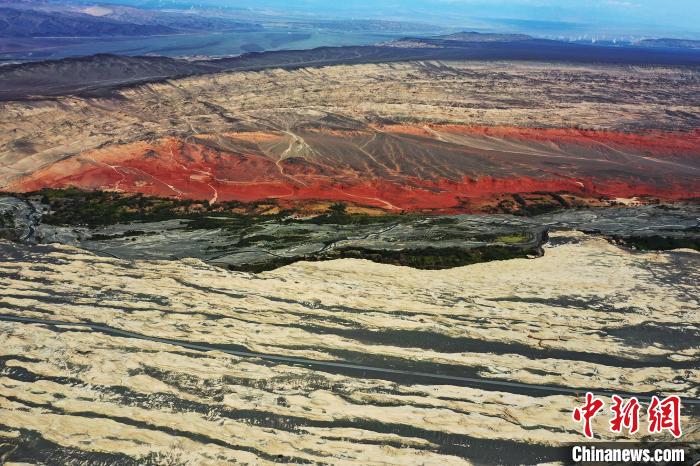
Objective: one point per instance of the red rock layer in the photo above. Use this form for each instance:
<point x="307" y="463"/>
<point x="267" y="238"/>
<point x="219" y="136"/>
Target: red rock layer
<point x="415" y="169"/>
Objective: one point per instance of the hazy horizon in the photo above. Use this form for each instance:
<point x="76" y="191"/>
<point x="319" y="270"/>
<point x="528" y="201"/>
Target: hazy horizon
<point x="550" y="18"/>
<point x="233" y="27"/>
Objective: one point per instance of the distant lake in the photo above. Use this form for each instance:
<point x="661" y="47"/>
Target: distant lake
<point x="214" y="44"/>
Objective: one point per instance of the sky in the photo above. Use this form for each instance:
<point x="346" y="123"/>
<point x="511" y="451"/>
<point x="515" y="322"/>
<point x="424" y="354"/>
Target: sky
<point x="676" y="18"/>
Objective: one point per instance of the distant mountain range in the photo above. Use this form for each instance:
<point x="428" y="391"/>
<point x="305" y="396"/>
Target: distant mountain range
<point x="27" y="20"/>
<point x="24" y="20"/>
<point x="30" y="23"/>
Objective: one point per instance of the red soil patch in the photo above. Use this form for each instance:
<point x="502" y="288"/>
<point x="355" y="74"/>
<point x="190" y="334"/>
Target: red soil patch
<point x="171" y="168"/>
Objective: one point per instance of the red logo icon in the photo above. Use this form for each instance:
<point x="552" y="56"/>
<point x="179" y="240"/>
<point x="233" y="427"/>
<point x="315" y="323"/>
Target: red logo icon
<point x="587" y="412"/>
<point x="661" y="414"/>
<point x="665" y="415"/>
<point x="625" y="415"/>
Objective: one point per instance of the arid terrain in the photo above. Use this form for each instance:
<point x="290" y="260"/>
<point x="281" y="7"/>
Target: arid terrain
<point x="420" y="252"/>
<point x="180" y="362"/>
<point x="409" y="136"/>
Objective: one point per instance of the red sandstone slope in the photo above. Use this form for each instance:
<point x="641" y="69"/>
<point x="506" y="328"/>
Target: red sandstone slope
<point x="393" y="167"/>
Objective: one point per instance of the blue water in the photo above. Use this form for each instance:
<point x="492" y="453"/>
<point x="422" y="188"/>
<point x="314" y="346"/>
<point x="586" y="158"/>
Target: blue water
<point x="215" y="44"/>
